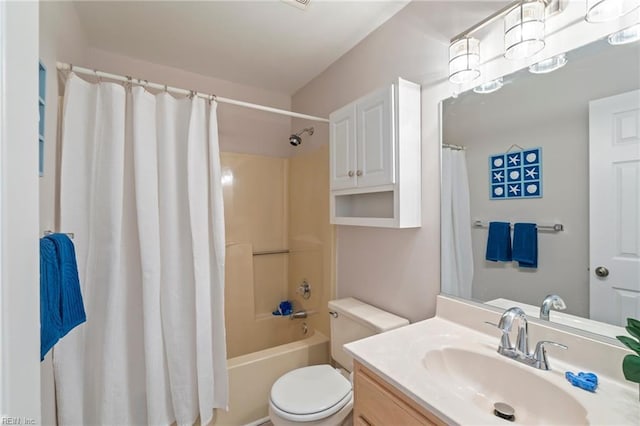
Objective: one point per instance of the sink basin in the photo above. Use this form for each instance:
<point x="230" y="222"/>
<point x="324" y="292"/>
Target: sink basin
<point x="484" y="380"/>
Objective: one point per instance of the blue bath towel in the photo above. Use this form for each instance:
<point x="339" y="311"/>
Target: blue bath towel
<point x="71" y="306"/>
<point x="499" y="242"/>
<point x="61" y="307"/>
<point x="50" y="321"/>
<point x="525" y="245"/>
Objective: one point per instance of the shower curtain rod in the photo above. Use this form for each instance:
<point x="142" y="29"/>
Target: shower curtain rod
<point x="101" y="74"/>
<point x="454" y="147"/>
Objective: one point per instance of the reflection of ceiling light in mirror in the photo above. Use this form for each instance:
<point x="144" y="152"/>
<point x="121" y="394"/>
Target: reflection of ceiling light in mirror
<point x="464" y="60"/>
<point x="549" y="64"/>
<point x="524" y="30"/>
<point x="489" y="87"/>
<point x="627" y="35"/>
<point x="607" y="10"/>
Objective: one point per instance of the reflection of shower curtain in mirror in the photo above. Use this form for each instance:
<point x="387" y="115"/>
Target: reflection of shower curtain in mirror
<point x="140" y="188"/>
<point x="457" y="257"/>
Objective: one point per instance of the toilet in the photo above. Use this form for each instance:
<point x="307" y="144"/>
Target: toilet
<point x="320" y="395"/>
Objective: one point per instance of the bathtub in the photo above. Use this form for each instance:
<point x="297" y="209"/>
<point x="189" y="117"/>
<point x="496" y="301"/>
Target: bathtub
<point x="252" y="375"/>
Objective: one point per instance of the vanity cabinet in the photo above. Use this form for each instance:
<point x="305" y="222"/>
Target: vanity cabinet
<point x="375" y="161"/>
<point x="378" y="403"/>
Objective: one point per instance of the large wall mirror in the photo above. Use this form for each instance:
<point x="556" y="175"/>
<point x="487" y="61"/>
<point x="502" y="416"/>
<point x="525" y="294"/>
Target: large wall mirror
<point x="585" y="119"/>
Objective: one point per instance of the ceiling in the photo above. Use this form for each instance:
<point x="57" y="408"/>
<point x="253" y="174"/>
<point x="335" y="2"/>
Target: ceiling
<point x="267" y="44"/>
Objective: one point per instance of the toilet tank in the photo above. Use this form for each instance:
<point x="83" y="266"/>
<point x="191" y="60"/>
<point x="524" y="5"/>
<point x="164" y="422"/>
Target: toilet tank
<point x="353" y="320"/>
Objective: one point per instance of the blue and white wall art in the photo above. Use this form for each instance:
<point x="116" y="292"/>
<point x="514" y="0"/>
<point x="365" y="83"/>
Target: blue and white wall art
<point x="516" y="174"/>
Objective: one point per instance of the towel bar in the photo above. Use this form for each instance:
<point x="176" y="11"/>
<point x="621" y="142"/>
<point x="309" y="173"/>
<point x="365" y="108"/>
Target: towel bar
<point x="556" y="227"/>
<point x="68" y="234"/>
<point x="262" y="253"/>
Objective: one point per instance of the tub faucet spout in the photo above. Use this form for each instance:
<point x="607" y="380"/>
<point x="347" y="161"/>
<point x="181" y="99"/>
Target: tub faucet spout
<point x="298" y="315"/>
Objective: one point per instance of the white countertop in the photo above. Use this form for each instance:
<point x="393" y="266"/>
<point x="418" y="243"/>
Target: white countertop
<point x="398" y="357"/>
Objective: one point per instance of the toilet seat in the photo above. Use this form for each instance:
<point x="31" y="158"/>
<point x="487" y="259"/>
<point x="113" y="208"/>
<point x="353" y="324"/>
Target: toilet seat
<point x="310" y="393"/>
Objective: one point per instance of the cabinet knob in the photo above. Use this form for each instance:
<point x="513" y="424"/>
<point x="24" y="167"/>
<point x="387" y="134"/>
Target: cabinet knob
<point x="350" y="173"/>
<point x="359" y="173"/>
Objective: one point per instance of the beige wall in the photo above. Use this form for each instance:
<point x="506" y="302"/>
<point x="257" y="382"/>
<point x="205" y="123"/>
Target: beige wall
<point x="271" y="204"/>
<point x="397" y="270"/>
<point x="311" y="237"/>
<point x="255" y="203"/>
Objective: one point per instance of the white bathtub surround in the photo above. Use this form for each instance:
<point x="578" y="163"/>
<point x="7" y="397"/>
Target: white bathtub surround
<point x="425" y="361"/>
<point x="456" y="252"/>
<point x="140" y="189"/>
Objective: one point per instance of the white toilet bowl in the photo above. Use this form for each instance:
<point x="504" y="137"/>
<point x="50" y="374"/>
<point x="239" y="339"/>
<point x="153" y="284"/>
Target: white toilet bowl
<point x="320" y="395"/>
<point x="315" y="396"/>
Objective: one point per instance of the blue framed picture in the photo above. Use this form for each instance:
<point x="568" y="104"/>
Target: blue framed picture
<point x="516" y="174"/>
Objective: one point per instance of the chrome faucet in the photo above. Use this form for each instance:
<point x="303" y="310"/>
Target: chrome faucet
<point x="505" y="325"/>
<point x="520" y="352"/>
<point x="552" y="301"/>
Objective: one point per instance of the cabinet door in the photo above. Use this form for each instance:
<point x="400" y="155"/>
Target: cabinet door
<point x="375" y="136"/>
<point x="342" y="144"/>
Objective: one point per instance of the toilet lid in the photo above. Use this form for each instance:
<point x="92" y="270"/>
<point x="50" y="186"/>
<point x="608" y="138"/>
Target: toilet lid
<point x="310" y="390"/>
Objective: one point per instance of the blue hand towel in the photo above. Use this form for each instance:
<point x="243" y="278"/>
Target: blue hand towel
<point x="71" y="306"/>
<point x="50" y="321"/>
<point x="525" y="245"/>
<point x="499" y="242"/>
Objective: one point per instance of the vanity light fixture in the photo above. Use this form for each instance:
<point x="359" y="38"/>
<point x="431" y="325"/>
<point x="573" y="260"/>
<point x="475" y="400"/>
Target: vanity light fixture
<point x="549" y="65"/>
<point x="524" y="26"/>
<point x="607" y="10"/>
<point x="625" y="36"/>
<point x="464" y="60"/>
<point x="489" y="87"/>
<point x="524" y="30"/>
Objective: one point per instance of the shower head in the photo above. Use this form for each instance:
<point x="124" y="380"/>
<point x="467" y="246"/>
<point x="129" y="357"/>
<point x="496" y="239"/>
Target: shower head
<point x="296" y="140"/>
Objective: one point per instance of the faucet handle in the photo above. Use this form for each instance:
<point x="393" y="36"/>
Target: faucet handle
<point x="540" y="354"/>
<point x="505" y="342"/>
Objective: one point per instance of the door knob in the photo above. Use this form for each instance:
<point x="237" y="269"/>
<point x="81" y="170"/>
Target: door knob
<point x="359" y="173"/>
<point x="350" y="173"/>
<point x="602" y="272"/>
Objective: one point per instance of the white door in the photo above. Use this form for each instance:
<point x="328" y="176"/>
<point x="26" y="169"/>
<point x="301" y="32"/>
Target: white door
<point x="19" y="227"/>
<point x="342" y="144"/>
<point x="375" y="138"/>
<point x="614" y="207"/>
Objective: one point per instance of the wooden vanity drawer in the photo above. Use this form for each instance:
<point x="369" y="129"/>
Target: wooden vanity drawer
<point x="377" y="403"/>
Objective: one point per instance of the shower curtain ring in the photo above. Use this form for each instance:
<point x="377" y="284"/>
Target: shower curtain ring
<point x="129" y="83"/>
<point x="95" y="72"/>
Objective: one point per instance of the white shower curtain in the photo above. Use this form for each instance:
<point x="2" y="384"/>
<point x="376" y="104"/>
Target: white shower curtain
<point x="140" y="188"/>
<point x="457" y="255"/>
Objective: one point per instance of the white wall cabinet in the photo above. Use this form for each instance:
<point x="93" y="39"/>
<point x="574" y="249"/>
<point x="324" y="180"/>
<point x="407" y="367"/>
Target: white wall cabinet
<point x="375" y="159"/>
